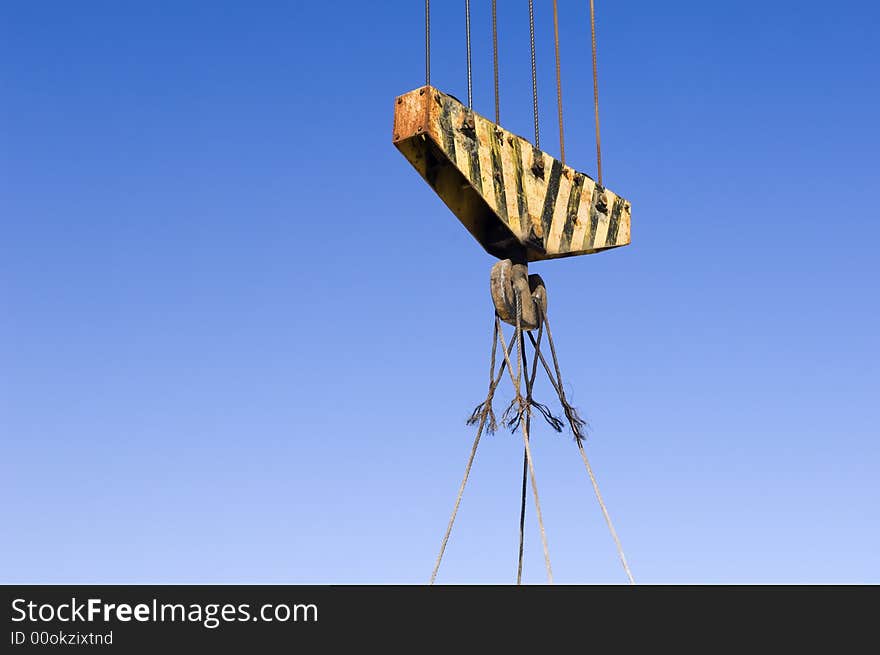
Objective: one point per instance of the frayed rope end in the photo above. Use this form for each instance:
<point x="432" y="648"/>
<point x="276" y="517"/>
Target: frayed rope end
<point x="481" y="410"/>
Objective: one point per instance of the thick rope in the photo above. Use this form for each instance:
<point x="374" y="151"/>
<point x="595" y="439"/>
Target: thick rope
<point x="530" y="383"/>
<point x="522" y="516"/>
<point x="605" y="513"/>
<point x="522" y="503"/>
<point x="558" y="82"/>
<point x="576" y="430"/>
<point x="515" y="412"/>
<point x="485" y="407"/>
<point x="493" y="384"/>
<point x="576" y="423"/>
<point x="517" y="388"/>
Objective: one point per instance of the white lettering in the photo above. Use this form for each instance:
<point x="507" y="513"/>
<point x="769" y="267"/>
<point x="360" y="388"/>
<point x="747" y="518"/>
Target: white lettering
<point x="94" y="608"/>
<point x="21" y="612"/>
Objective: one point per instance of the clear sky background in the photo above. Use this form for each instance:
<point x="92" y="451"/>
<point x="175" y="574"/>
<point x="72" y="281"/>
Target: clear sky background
<point x="239" y="336"/>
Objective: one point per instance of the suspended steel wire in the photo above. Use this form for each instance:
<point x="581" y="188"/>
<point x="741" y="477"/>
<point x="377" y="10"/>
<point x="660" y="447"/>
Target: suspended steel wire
<point x="495" y="59"/>
<point x="427" y="42"/>
<point x="537" y="140"/>
<point x="534" y="72"/>
<point x="467" y="19"/>
<point x="558" y="82"/>
<point x="596" y="93"/>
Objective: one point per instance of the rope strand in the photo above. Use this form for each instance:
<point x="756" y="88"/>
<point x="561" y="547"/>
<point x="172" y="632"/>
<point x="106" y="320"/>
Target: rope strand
<point x="522" y="504"/>
<point x="556" y="382"/>
<point x="516" y="385"/>
<point x="530" y="383"/>
<point x="493" y="384"/>
<point x="611" y="529"/>
<point x="522" y="516"/>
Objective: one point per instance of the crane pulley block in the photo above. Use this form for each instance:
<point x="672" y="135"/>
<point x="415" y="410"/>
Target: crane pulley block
<point x="518" y="202"/>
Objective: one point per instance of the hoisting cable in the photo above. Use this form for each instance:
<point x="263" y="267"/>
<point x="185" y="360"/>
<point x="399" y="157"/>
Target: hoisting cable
<point x="485" y="412"/>
<point x="524" y="429"/>
<point x="534" y="72"/>
<point x="467" y="21"/>
<point x="427" y="42"/>
<point x="576" y="424"/>
<point x="558" y="82"/>
<point x="596" y="93"/>
<point x="495" y="58"/>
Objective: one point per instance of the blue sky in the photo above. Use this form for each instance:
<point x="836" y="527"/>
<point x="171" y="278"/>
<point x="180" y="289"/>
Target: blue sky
<point x="240" y="336"/>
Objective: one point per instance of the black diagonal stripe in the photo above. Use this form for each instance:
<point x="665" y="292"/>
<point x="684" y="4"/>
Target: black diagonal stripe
<point x="498" y="174"/>
<point x="614" y="225"/>
<point x="448" y="133"/>
<point x="522" y="207"/>
<point x="574" y="202"/>
<point x="537" y="163"/>
<point x="590" y="236"/>
<point x="472" y="144"/>
<point x="550" y="198"/>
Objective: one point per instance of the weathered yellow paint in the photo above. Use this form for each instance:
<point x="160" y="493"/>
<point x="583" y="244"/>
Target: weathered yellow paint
<point x="513" y="208"/>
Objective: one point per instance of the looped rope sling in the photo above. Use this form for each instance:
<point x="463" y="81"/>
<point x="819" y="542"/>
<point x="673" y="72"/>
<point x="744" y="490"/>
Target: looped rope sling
<point x="513" y="289"/>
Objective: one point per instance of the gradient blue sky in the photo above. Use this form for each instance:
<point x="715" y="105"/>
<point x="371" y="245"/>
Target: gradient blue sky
<point x="239" y="335"/>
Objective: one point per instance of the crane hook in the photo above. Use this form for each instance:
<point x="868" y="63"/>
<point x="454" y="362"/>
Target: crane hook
<point x="507" y="281"/>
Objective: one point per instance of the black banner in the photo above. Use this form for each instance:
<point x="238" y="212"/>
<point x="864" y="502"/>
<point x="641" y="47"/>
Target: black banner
<point x="244" y="618"/>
